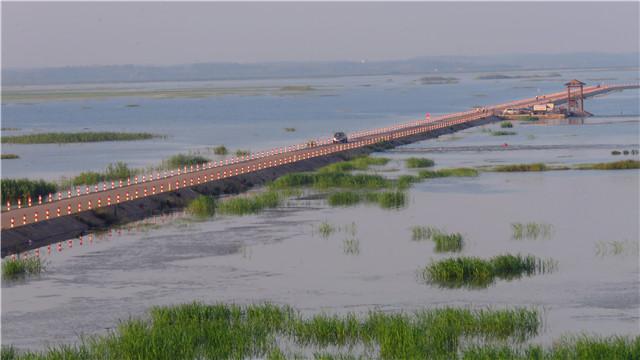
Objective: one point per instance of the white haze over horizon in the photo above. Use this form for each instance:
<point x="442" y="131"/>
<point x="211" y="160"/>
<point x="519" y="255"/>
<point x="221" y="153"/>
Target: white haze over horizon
<point x="162" y="33"/>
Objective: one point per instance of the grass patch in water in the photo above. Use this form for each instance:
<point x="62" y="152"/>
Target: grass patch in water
<point x="14" y="189"/>
<point x="243" y="152"/>
<point x="531" y="230"/>
<point x="344" y="198"/>
<point x="325" y="180"/>
<point x="289" y="129"/>
<point x="202" y="206"/>
<point x="453" y="172"/>
<point x="359" y="163"/>
<point x="325" y="229"/>
<point x="419" y="233"/>
<point x="414" y="162"/>
<point x="251" y="204"/>
<point x="521" y="167"/>
<point x="474" y="272"/>
<point x="9" y="156"/>
<point x="220" y="150"/>
<point x="221" y="331"/>
<point x="405" y="181"/>
<point x="181" y="160"/>
<point x="448" y="242"/>
<point x="351" y="246"/>
<point x="117" y="171"/>
<point x="616" y="165"/>
<point x="506" y="125"/>
<point x="606" y="248"/>
<point x="386" y="199"/>
<point x="20" y="267"/>
<point x="503" y="133"/>
<point x="81" y="137"/>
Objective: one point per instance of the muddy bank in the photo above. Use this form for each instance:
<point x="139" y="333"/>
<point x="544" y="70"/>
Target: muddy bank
<point x="51" y="231"/>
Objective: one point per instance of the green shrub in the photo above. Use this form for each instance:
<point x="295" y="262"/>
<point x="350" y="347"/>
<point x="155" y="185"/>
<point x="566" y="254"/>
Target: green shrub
<point x="220" y="150"/>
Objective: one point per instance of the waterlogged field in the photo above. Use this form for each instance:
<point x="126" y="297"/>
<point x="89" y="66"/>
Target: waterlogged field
<point x="514" y="259"/>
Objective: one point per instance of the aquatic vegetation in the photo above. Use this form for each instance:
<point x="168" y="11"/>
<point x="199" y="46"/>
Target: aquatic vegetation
<point x="521" y="167"/>
<point x="506" y="124"/>
<point x="202" y="206"/>
<point x="474" y="272"/>
<point x="448" y="242"/>
<point x="222" y="331"/>
<point x="132" y="105"/>
<point x="531" y="137"/>
<point x="289" y="129"/>
<point x="503" y="133"/>
<point x="9" y="156"/>
<point x="358" y="163"/>
<point x="616" y="165"/>
<point x="413" y="162"/>
<point x="297" y="88"/>
<point x="437" y="80"/>
<point x="419" y="233"/>
<point x="20" y="267"/>
<point x="581" y="347"/>
<point x="243" y="152"/>
<point x="250" y="204"/>
<point x="344" y="198"/>
<point x="351" y="246"/>
<point x="405" y="181"/>
<point x="14" y="189"/>
<point x="181" y="160"/>
<point x="605" y="248"/>
<point x="117" y="171"/>
<point x="453" y="172"/>
<point x="81" y="137"/>
<point x="325" y="229"/>
<point x="220" y="150"/>
<point x="531" y="230"/>
<point x="325" y="180"/>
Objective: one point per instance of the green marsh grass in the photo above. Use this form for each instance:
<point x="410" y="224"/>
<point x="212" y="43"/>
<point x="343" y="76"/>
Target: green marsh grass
<point x="249" y="204"/>
<point x="405" y="181"/>
<point x="117" y="171"/>
<point x="326" y="180"/>
<point x="503" y="133"/>
<point x="531" y="230"/>
<point x="414" y="162"/>
<point x="617" y="247"/>
<point x="521" y="167"/>
<point x="419" y="233"/>
<point x="20" y="267"/>
<point x="220" y="150"/>
<point x="325" y="229"/>
<point x="474" y="272"/>
<point x="14" y="189"/>
<point x="203" y="206"/>
<point x="385" y="199"/>
<point x="358" y="163"/>
<point x="181" y="160"/>
<point x="453" y="172"/>
<point x="9" y="156"/>
<point x="351" y="246"/>
<point x="289" y="129"/>
<point x="243" y="152"/>
<point x="448" y="242"/>
<point x="222" y="331"/>
<point x="506" y="124"/>
<point x="616" y="165"/>
<point x="81" y="137"/>
<point x="344" y="198"/>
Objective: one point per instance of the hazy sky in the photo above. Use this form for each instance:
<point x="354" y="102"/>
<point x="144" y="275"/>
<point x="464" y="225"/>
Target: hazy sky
<point x="61" y="34"/>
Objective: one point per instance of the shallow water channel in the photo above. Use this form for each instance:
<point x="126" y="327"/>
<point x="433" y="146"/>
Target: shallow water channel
<point x="370" y="261"/>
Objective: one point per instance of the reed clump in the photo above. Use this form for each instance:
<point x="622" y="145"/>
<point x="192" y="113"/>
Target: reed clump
<point x="117" y="171"/>
<point x="181" y="160"/>
<point x="453" y="172"/>
<point x="521" y="167"/>
<point x="358" y="163"/>
<point x="414" y="162"/>
<point x="419" y="233"/>
<point x="325" y="180"/>
<point x="14" y="189"/>
<point x="474" y="272"/>
<point x="20" y="267"/>
<point x="405" y="181"/>
<point x="9" y="156"/>
<point x="616" y="165"/>
<point x="503" y="133"/>
<point x="243" y="152"/>
<point x="325" y="229"/>
<point x="202" y="206"/>
<point x="385" y="199"/>
<point x="251" y="204"/>
<point x="220" y="150"/>
<point x="448" y="242"/>
<point x="81" y="137"/>
<point x="506" y="125"/>
<point x="531" y="230"/>
<point x="290" y="129"/>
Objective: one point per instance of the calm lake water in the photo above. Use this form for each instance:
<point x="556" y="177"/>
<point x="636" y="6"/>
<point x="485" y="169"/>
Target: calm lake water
<point x="279" y="256"/>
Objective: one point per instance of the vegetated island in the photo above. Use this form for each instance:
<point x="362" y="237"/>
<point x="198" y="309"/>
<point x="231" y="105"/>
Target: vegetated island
<point x="437" y="80"/>
<point x="503" y="76"/>
<point x="80" y="137"/>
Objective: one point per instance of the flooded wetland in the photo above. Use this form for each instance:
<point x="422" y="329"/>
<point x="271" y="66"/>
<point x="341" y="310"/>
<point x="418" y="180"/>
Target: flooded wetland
<point x="332" y="264"/>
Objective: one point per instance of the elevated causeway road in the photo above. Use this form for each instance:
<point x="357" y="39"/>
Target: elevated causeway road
<point x="87" y="198"/>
